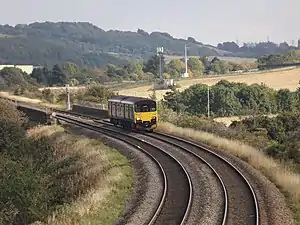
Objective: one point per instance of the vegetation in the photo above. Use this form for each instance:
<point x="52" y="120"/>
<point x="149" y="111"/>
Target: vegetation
<point x="49" y="176"/>
<point x="89" y="46"/>
<point x="133" y="71"/>
<point x="279" y="173"/>
<point x="231" y="99"/>
<point x="277" y="135"/>
<point x="270" y="144"/>
<point x="279" y="60"/>
<point x="257" y="49"/>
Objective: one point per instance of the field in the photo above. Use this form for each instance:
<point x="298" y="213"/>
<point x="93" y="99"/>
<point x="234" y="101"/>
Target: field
<point x="274" y="79"/>
<point x="229" y="59"/>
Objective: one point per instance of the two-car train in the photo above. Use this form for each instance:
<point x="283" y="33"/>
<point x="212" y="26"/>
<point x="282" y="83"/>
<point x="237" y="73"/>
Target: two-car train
<point x="133" y="113"/>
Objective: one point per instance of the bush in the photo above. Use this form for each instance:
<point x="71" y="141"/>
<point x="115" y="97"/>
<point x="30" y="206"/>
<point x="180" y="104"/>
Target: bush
<point x="9" y="112"/>
<point x="32" y="179"/>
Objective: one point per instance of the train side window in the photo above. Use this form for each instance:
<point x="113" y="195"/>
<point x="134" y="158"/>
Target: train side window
<point x="126" y="111"/>
<point x="131" y="111"/>
<point x="113" y="109"/>
<point x="118" y="109"/>
<point x="122" y="110"/>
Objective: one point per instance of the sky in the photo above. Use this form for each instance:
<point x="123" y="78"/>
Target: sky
<point x="210" y="22"/>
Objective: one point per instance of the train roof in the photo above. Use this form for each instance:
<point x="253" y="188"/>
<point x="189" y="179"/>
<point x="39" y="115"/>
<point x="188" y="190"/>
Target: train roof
<point x="135" y="99"/>
<point x="128" y="99"/>
<point x="117" y="98"/>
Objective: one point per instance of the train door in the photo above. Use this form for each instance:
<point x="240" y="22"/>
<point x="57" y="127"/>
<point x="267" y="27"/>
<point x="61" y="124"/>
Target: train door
<point x="126" y="111"/>
<point x="113" y="109"/>
<point x="122" y="110"/>
<point x="118" y="110"/>
<point x="131" y="112"/>
<point x="109" y="109"/>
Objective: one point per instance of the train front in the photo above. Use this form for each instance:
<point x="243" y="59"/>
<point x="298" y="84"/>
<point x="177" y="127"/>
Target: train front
<point x="145" y="115"/>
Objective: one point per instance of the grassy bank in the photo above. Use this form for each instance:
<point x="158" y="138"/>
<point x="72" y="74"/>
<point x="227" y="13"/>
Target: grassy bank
<point x="103" y="179"/>
<point x="280" y="174"/>
<point x="49" y="176"/>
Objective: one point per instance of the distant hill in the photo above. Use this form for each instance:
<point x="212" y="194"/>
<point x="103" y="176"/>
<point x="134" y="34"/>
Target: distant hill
<point x="87" y="45"/>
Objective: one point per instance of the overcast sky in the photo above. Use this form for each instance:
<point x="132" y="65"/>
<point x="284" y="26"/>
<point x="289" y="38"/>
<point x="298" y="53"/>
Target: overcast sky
<point x="208" y="21"/>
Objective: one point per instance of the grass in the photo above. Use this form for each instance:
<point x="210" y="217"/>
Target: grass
<point x="33" y="101"/>
<point x="229" y="59"/>
<point x="104" y="178"/>
<point x="281" y="175"/>
<point x="278" y="79"/>
<point x="228" y="120"/>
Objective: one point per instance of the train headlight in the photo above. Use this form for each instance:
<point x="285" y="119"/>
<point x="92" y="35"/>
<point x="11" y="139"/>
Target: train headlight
<point x="138" y="118"/>
<point x="154" y="117"/>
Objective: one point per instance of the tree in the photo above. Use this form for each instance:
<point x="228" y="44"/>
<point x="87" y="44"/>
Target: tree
<point x="195" y="99"/>
<point x="196" y="66"/>
<point x="286" y="100"/>
<point x="70" y="69"/>
<point x="111" y="70"/>
<point x="58" y="76"/>
<point x="153" y="63"/>
<point x="131" y="67"/>
<point x="40" y="75"/>
<point x="139" y="69"/>
<point x="176" y="67"/>
<point x="219" y="66"/>
<point x="225" y="102"/>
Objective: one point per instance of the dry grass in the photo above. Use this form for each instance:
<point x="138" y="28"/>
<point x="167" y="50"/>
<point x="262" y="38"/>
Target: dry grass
<point x="228" y="120"/>
<point x="274" y="79"/>
<point x="19" y="98"/>
<point x="38" y="102"/>
<point x="104" y="177"/>
<point x="281" y="175"/>
<point x="225" y="58"/>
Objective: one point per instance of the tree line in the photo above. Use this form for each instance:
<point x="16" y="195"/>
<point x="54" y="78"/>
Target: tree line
<point x="71" y="73"/>
<point x="232" y="99"/>
<point x="279" y="60"/>
<point x="87" y="45"/>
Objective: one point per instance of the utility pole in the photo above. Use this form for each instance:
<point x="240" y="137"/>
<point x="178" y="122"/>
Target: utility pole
<point x="185" y="61"/>
<point x="160" y="51"/>
<point x="208" y="106"/>
<point x="68" y="104"/>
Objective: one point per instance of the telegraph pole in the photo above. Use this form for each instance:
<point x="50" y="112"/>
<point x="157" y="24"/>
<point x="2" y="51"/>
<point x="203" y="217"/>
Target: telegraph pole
<point x="185" y="59"/>
<point x="208" y="101"/>
<point x="160" y="51"/>
<point x="68" y="104"/>
<point x="186" y="74"/>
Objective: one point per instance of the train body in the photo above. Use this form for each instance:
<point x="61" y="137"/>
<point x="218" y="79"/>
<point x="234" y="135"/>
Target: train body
<point x="134" y="113"/>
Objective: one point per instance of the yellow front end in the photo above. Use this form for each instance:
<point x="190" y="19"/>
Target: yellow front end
<point x="146" y="120"/>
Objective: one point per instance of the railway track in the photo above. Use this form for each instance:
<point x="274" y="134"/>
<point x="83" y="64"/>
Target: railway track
<point x="177" y="197"/>
<point x="239" y="211"/>
<point x="241" y="199"/>
<point x="241" y="205"/>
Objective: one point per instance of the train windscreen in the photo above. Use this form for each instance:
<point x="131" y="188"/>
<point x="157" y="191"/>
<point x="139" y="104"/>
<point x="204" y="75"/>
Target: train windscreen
<point x="145" y="107"/>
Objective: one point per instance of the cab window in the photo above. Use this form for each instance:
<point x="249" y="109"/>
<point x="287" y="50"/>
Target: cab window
<point x="145" y="107"/>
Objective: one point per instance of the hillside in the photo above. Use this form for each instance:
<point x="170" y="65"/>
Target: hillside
<point x="87" y="45"/>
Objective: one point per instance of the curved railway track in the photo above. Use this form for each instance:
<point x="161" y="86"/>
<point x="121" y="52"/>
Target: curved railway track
<point x="241" y="204"/>
<point x="242" y="201"/>
<point x="177" y="197"/>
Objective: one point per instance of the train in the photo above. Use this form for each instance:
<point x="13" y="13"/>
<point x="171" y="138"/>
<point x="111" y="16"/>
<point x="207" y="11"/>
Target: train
<point x="133" y="113"/>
